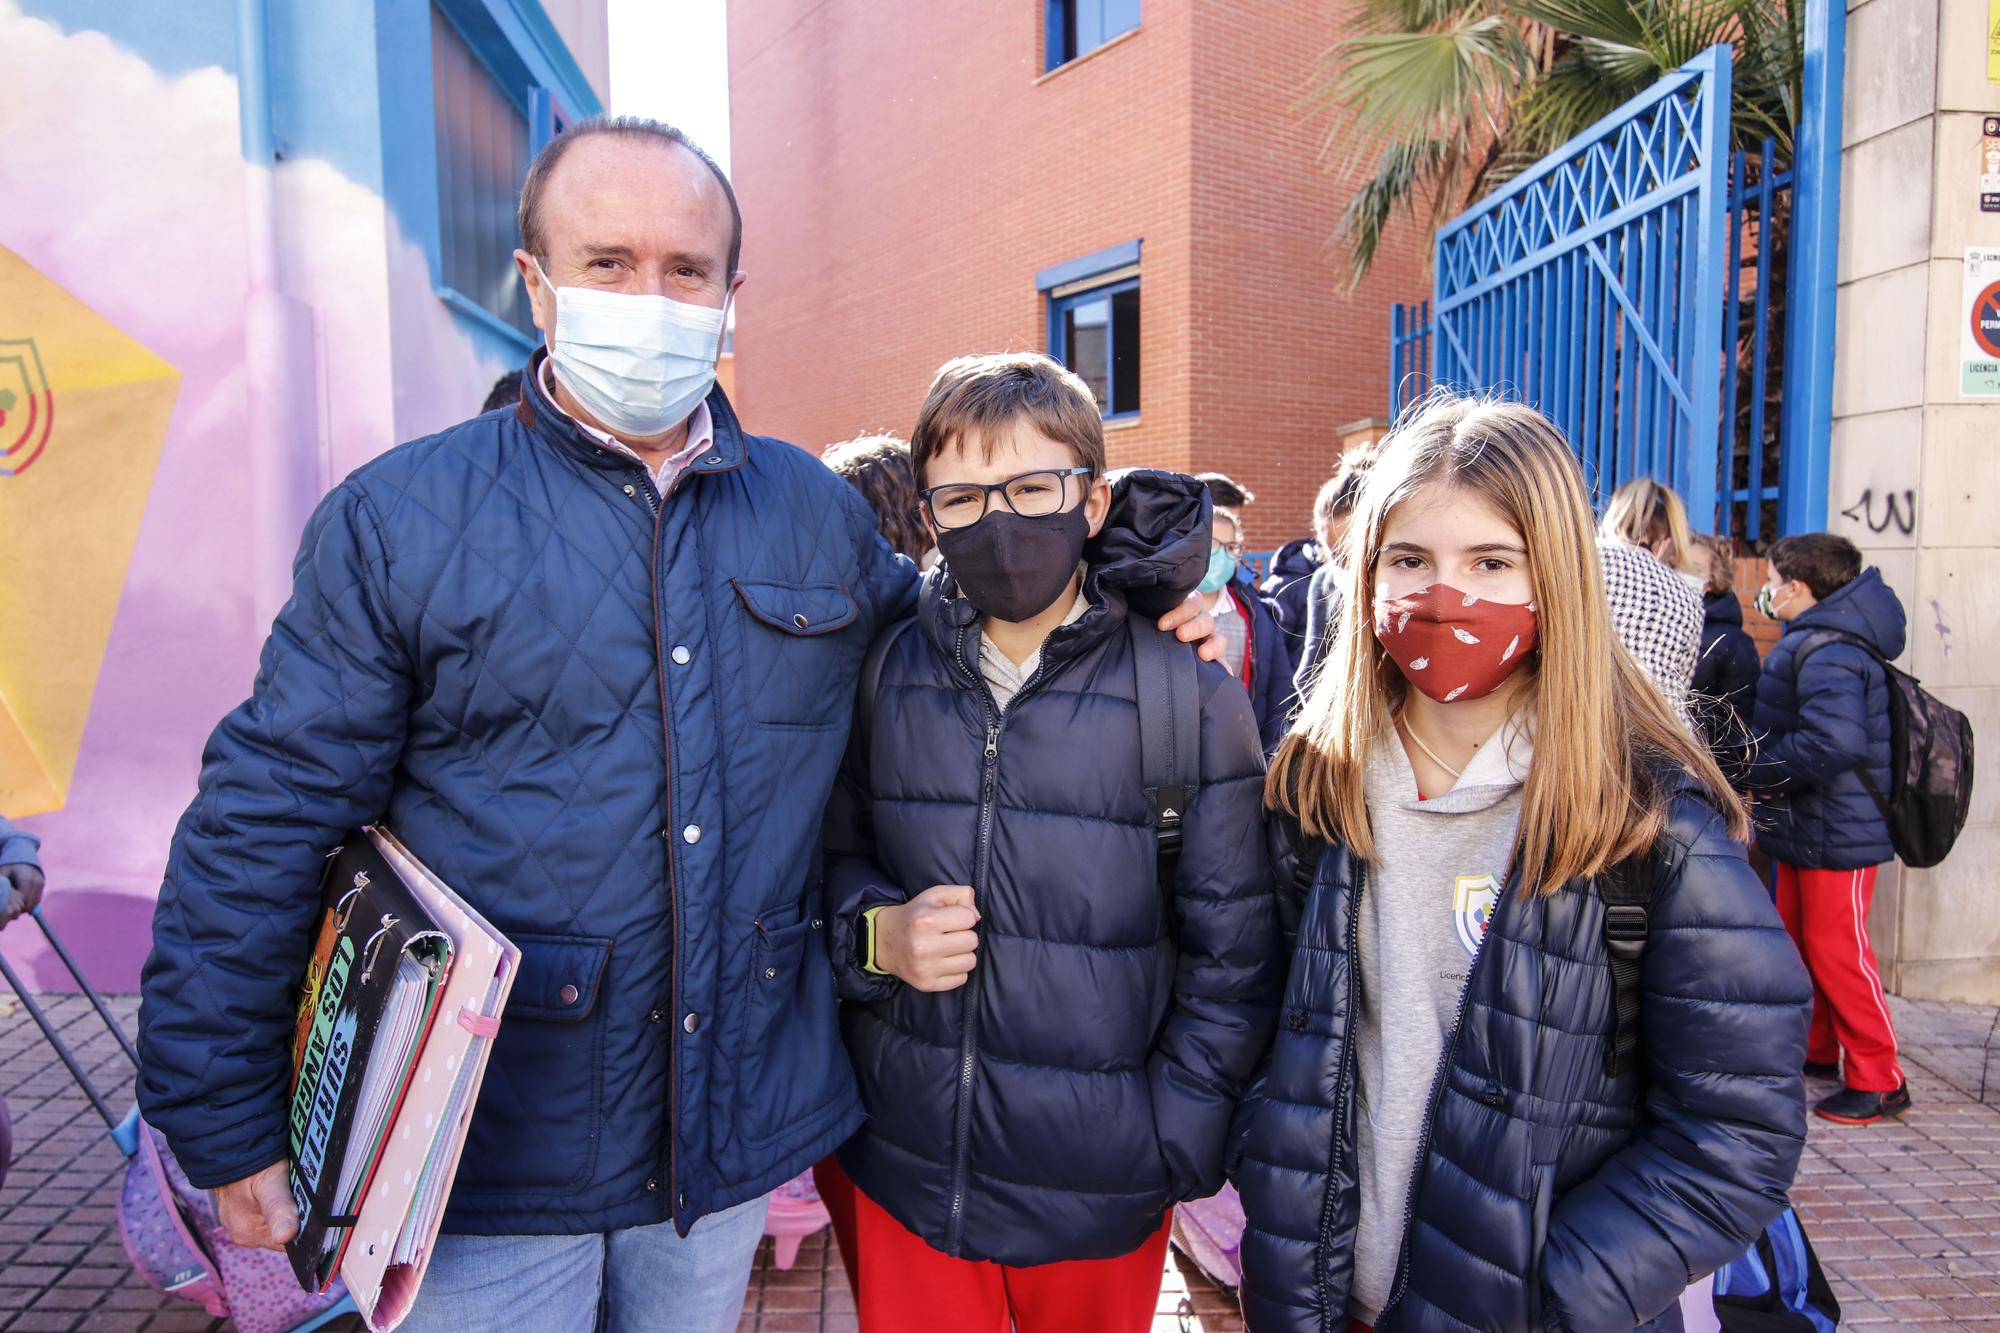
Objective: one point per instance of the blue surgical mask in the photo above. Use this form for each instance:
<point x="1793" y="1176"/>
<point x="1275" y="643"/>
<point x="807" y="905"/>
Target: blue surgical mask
<point x="639" y="365"/>
<point x="1221" y="568"/>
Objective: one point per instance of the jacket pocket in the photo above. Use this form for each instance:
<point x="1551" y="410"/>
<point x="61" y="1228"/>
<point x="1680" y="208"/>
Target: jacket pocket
<point x="792" y="651"/>
<point x="539" y="1119"/>
<point x="793" y="1064"/>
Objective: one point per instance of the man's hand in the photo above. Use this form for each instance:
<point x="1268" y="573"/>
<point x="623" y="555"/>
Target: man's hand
<point x="257" y="1210"/>
<point x="928" y="941"/>
<point x="23" y="891"/>
<point x="1192" y="622"/>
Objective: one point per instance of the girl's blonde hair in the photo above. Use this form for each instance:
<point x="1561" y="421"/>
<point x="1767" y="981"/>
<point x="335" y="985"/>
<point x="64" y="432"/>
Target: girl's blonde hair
<point x="1607" y="747"/>
<point x="1645" y="513"/>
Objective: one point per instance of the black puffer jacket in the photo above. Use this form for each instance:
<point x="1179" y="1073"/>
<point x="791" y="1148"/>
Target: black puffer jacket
<point x="1085" y="1076"/>
<point x="1815" y="720"/>
<point x="1724" y="693"/>
<point x="1547" y="1195"/>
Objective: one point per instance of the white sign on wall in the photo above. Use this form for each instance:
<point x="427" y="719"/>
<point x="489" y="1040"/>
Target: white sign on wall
<point x="1979" y="325"/>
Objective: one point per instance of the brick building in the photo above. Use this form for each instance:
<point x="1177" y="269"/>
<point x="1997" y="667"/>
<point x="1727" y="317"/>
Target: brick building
<point x="1060" y="175"/>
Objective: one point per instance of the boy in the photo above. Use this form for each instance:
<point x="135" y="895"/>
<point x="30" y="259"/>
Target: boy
<point x="1823" y="718"/>
<point x="1050" y="1043"/>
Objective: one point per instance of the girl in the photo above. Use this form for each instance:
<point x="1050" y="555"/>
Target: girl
<point x="1655" y="598"/>
<point x="1447" y="1134"/>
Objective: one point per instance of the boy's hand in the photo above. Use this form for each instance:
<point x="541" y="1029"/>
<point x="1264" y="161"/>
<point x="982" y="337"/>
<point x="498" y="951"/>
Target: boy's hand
<point x="20" y="890"/>
<point x="257" y="1210"/>
<point x="928" y="941"/>
<point x="1192" y="622"/>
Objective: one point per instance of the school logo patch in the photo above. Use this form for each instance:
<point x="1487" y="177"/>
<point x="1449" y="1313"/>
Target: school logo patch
<point x="1472" y="900"/>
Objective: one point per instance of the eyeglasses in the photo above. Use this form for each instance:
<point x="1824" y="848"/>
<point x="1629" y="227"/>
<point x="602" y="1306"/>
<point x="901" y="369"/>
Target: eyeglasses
<point x="1031" y="495"/>
<point x="1235" y="549"/>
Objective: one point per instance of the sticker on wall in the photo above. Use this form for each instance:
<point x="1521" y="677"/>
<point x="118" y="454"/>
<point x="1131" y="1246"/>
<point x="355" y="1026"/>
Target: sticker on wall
<point x="1993" y="41"/>
<point x="1989" y="165"/>
<point x="1979" y="325"/>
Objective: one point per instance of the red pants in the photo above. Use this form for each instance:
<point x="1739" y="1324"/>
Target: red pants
<point x="837" y="1192"/>
<point x="1826" y="912"/>
<point x="908" y="1287"/>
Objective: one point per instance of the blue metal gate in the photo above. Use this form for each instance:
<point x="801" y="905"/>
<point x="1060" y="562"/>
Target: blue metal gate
<point x="1592" y="288"/>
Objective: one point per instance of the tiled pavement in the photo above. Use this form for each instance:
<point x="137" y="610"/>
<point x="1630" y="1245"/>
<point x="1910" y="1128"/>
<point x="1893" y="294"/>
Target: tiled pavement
<point x="1906" y="1216"/>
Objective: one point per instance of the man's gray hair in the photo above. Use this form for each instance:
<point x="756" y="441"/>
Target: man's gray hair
<point x="625" y="127"/>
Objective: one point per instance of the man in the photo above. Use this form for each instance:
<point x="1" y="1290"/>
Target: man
<point x="593" y="662"/>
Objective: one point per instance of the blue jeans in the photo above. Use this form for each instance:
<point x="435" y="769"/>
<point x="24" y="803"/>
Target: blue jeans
<point x="639" y="1280"/>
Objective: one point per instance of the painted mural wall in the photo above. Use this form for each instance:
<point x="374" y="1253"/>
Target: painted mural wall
<point x="146" y="514"/>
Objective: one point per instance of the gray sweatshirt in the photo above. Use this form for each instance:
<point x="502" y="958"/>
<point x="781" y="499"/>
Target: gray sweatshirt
<point x="1440" y="866"/>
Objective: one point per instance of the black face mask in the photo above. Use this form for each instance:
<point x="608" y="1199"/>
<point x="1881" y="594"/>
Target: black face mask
<point x="1013" y="568"/>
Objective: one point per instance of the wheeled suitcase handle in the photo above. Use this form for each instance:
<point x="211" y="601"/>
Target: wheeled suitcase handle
<point x="68" y="1057"/>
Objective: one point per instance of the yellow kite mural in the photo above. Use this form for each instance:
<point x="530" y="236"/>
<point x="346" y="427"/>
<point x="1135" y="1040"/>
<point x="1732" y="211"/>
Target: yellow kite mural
<point x="83" y="413"/>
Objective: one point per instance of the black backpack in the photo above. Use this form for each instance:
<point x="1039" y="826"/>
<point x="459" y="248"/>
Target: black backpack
<point x="1169" y="725"/>
<point x="1930" y="760"/>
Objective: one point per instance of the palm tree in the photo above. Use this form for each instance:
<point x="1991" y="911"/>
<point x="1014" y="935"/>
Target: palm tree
<point x="1452" y="98"/>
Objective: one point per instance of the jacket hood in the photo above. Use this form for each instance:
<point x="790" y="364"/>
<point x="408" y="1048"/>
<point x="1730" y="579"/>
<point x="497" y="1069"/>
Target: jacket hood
<point x="1295" y="558"/>
<point x="1866" y="608"/>
<point x="1722" y="608"/>
<point x="1151" y="553"/>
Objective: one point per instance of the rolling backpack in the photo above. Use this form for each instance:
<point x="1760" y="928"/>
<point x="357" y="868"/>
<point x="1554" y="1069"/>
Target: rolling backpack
<point x="1930" y="760"/>
<point x="170" y="1230"/>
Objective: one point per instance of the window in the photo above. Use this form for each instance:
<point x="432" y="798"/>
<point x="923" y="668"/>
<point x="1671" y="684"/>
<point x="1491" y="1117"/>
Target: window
<point x="1095" y="332"/>
<point x="482" y="149"/>
<point x="1076" y="27"/>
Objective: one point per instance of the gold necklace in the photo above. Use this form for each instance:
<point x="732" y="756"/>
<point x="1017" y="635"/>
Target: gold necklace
<point x="1411" y="732"/>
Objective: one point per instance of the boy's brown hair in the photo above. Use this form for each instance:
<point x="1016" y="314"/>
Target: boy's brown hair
<point x="1823" y="562"/>
<point x="982" y="397"/>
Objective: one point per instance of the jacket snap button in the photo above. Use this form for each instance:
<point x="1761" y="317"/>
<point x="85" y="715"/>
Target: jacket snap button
<point x="770" y="972"/>
<point x="692" y="833"/>
<point x="658" y="1016"/>
<point x="691" y="1023"/>
<point x="652" y="1185"/>
<point x="631" y="490"/>
<point x="681" y="655"/>
<point x="800" y="621"/>
<point x="816" y="923"/>
<point x="569" y="994"/>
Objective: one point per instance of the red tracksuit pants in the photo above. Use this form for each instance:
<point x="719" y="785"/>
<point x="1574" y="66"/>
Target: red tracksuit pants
<point x="904" y="1286"/>
<point x="1826" y="912"/>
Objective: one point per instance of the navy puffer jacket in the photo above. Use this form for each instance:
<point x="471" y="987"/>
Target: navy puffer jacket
<point x="1267" y="667"/>
<point x="1284" y="589"/>
<point x="1547" y="1195"/>
<point x="612" y="723"/>
<point x="1084" y="1077"/>
<point x="1813" y="721"/>
<point x="1723" y="695"/>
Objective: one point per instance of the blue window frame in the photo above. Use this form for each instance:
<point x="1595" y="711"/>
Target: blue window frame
<point x="1077" y="27"/>
<point x="1095" y="332"/>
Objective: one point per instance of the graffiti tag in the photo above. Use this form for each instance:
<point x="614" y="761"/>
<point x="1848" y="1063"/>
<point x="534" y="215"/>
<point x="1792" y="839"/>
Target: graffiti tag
<point x="1943" y="630"/>
<point x="1897" y="511"/>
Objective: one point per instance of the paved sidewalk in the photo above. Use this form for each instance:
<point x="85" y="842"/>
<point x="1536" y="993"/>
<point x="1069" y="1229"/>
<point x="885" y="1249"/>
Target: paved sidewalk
<point x="1906" y="1216"/>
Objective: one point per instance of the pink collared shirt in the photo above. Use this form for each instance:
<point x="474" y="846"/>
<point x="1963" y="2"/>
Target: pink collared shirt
<point x="700" y="435"/>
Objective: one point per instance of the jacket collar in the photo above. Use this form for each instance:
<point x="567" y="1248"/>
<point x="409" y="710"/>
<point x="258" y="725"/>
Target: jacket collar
<point x="952" y="624"/>
<point x="547" y="422"/>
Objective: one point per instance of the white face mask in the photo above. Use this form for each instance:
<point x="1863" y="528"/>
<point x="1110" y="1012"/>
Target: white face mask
<point x="637" y="364"/>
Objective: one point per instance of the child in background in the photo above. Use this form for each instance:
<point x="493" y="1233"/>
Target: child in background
<point x="1050" y="1042"/>
<point x="1823" y="722"/>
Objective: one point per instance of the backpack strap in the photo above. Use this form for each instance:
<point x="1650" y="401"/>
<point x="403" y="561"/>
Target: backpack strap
<point x="1169" y="735"/>
<point x="1627" y="891"/>
<point x="1820" y="638"/>
<point x="871" y="676"/>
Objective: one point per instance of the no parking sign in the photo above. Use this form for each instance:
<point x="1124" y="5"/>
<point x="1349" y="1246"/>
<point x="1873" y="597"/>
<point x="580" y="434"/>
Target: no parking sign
<point x="1979" y="325"/>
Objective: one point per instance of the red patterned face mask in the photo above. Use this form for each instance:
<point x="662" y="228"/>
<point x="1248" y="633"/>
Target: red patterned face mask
<point x="1453" y="645"/>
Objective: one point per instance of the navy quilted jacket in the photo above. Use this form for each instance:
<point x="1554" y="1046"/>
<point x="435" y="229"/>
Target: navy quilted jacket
<point x="1547" y="1196"/>
<point x="1085" y="1076"/>
<point x="1813" y="721"/>
<point x="611" y="722"/>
